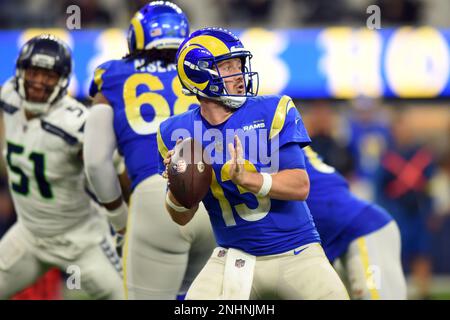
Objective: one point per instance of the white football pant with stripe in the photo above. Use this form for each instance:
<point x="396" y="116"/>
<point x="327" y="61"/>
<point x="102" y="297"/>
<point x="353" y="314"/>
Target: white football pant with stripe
<point x="371" y="267"/>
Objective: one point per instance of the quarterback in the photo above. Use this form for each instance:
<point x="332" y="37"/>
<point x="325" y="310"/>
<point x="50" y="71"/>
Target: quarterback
<point x="131" y="97"/>
<point x="268" y="243"/>
<point x="58" y="223"/>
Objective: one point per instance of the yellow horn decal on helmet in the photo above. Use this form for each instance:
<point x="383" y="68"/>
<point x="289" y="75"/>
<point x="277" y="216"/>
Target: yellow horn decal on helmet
<point x="139" y="32"/>
<point x="212" y="44"/>
<point x="180" y="66"/>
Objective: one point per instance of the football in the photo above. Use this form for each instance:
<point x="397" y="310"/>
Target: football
<point x="189" y="173"/>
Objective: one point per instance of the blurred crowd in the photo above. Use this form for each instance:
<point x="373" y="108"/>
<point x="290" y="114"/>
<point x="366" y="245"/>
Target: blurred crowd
<point x="229" y="13"/>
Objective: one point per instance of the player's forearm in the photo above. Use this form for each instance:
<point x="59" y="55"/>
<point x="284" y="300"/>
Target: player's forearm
<point x="104" y="181"/>
<point x="290" y="184"/>
<point x="100" y="170"/>
<point x="106" y="186"/>
<point x="181" y="218"/>
<point x="98" y="150"/>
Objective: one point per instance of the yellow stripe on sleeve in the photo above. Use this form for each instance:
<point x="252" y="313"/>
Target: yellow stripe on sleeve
<point x="284" y="105"/>
<point x="98" y="78"/>
<point x="162" y="148"/>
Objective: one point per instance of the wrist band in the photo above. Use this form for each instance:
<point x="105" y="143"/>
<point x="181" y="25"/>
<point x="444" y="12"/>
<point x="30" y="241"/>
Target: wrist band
<point x="174" y="206"/>
<point x="266" y="186"/>
<point x="118" y="217"/>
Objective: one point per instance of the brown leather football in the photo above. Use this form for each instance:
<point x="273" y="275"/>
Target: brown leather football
<point x="189" y="173"/>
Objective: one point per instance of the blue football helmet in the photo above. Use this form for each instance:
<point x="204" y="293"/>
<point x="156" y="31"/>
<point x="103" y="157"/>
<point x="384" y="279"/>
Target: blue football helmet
<point x="197" y="68"/>
<point x="158" y="25"/>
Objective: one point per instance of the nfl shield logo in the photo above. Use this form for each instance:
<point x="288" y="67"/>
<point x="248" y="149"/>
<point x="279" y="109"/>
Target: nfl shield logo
<point x="239" y="263"/>
<point x="221" y="253"/>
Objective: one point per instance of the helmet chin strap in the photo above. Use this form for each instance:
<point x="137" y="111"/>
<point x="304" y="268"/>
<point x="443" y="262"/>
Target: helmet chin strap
<point x="232" y="102"/>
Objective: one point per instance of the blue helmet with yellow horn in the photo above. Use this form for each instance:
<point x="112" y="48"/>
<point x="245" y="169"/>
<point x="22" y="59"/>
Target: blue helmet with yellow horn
<point x="197" y="60"/>
<point x="157" y="25"/>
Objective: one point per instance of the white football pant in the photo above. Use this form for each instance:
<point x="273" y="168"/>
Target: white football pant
<point x="306" y="275"/>
<point x="85" y="253"/>
<point x="372" y="268"/>
<point x="161" y="258"/>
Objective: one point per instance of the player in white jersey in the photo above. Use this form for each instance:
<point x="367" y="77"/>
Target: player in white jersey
<point x="58" y="223"/>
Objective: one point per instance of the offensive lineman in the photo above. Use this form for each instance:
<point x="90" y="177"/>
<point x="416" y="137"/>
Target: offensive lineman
<point x="132" y="96"/>
<point x="359" y="238"/>
<point x="58" y="223"/>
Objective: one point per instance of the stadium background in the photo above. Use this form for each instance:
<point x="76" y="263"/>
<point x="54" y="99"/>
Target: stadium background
<point x="358" y="89"/>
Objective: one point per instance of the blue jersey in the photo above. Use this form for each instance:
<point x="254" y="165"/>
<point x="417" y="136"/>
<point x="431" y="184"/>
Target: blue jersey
<point x="141" y="97"/>
<point x="340" y="217"/>
<point x="257" y="225"/>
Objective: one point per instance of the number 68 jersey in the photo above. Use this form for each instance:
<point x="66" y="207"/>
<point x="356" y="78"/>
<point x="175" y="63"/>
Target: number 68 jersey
<point x="45" y="171"/>
<point x="141" y="97"/>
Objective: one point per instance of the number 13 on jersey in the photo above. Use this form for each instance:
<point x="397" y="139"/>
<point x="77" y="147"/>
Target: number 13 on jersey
<point x="242" y="209"/>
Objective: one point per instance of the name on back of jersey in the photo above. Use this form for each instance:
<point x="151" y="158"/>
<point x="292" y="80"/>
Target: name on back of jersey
<point x="153" y="67"/>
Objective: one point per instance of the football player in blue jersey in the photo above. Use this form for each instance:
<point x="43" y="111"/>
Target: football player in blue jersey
<point x="360" y="238"/>
<point x="132" y="96"/>
<point x="268" y="244"/>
